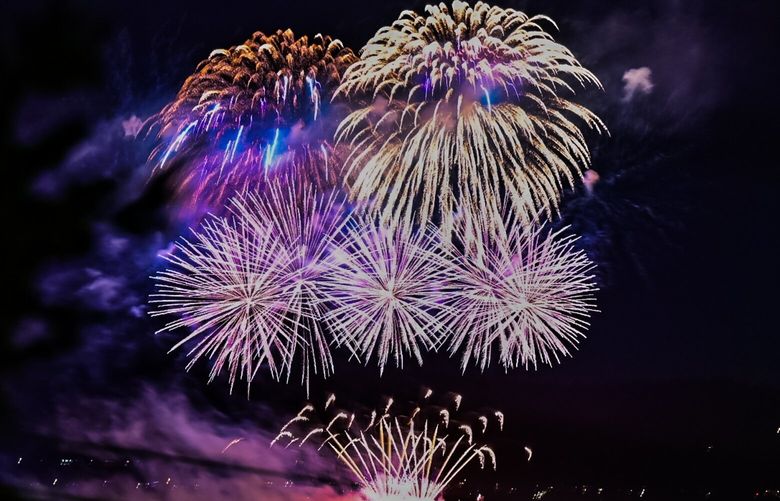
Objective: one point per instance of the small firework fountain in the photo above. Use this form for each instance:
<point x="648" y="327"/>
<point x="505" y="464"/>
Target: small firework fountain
<point x="251" y="112"/>
<point x="408" y="456"/>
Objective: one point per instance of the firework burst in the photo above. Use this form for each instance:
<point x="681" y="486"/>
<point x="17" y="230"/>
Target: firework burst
<point x="247" y="285"/>
<point x="528" y="291"/>
<point x="250" y="112"/>
<point x="385" y="288"/>
<point x="305" y="224"/>
<point x="462" y="111"/>
<point x="396" y="457"/>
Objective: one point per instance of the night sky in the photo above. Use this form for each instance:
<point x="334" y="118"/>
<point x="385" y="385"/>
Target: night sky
<point x="676" y="390"/>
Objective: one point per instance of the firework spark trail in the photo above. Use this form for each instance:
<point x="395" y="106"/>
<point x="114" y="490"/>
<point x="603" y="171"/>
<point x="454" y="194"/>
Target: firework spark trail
<point x="462" y="111"/>
<point x="251" y="112"/>
<point x="231" y="444"/>
<point x="396" y="458"/>
<point x="384" y="290"/>
<point x="528" y="291"/>
<point x="247" y="285"/>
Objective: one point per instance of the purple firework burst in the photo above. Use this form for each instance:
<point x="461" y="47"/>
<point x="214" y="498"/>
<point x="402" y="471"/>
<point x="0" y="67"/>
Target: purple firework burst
<point x="385" y="289"/>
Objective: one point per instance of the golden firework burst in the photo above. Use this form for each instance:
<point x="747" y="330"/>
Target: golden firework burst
<point x="463" y="111"/>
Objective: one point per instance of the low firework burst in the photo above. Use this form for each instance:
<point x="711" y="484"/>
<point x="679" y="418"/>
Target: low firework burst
<point x="247" y="285"/>
<point x="250" y="112"/>
<point x="384" y="288"/>
<point x="230" y="286"/>
<point x="395" y="457"/>
<point x="461" y="110"/>
<point x="528" y="291"/>
<point x="305" y="224"/>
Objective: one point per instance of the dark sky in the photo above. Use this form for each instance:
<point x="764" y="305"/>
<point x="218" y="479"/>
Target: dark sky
<point x="677" y="387"/>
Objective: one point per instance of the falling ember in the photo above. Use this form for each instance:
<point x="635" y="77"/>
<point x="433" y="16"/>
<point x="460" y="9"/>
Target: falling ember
<point x="231" y="444"/>
<point x="500" y="416"/>
<point x="445" y="416"/>
<point x="281" y="435"/>
<point x="465" y="108"/>
<point x="373" y="420"/>
<point x="529" y="451"/>
<point x="468" y="431"/>
<point x="458" y="399"/>
<point x="313" y="432"/>
<point x="333" y="421"/>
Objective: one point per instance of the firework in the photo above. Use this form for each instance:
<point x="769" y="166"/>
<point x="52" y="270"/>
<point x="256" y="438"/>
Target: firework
<point x="305" y="223"/>
<point x="384" y="288"/>
<point x="396" y="457"/>
<point x="247" y="285"/>
<point x="251" y="112"/>
<point x="528" y="291"/>
<point x="462" y="110"/>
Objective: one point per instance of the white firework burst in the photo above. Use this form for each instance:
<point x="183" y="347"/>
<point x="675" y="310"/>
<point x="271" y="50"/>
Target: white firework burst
<point x="247" y="285"/>
<point x="229" y="286"/>
<point x="385" y="288"/>
<point x="528" y="291"/>
<point x="465" y="106"/>
<point x="304" y="223"/>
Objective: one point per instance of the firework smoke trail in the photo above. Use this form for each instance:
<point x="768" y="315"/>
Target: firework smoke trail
<point x="527" y="290"/>
<point x="251" y="112"/>
<point x="247" y="285"/>
<point x="397" y="457"/>
<point x="461" y="111"/>
<point x="384" y="288"/>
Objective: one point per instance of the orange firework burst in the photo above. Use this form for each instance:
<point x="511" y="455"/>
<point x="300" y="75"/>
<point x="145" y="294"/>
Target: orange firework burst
<point x="253" y="111"/>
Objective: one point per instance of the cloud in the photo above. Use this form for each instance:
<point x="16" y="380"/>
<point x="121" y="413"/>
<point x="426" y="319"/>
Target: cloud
<point x="637" y="81"/>
<point x="110" y="153"/>
<point x="162" y="447"/>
